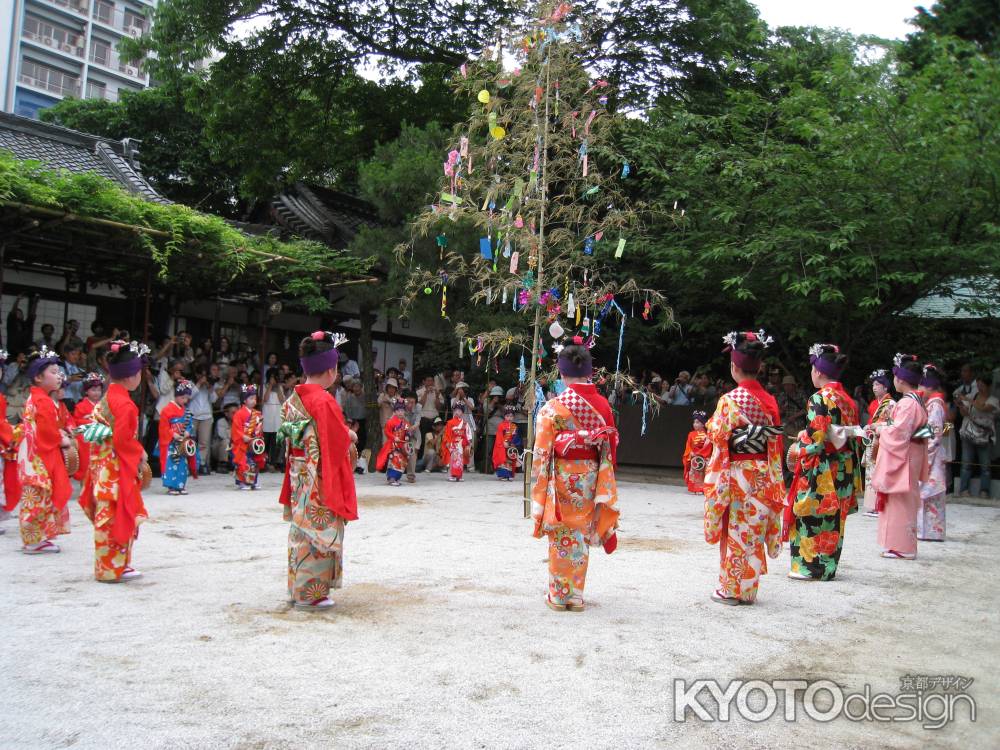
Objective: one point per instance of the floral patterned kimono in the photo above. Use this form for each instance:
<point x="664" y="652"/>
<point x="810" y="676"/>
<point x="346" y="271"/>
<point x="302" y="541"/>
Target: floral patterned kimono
<point x="744" y="492"/>
<point x="574" y="492"/>
<point x="697" y="451"/>
<point x="878" y="412"/>
<point x="455" y="447"/>
<point x="248" y="424"/>
<point x="931" y="518"/>
<point x="174" y="422"/>
<point x="318" y="492"/>
<point x="506" y="441"/>
<point x="111" y="496"/>
<point x="826" y="486"/>
<point x="41" y="471"/>
<point x="395" y="452"/>
<point x="8" y="458"/>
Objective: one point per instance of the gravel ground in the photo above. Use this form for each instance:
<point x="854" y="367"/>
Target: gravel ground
<point x="440" y="637"/>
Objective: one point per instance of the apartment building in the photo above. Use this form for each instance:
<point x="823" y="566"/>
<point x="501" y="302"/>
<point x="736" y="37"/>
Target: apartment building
<point x="54" y="49"/>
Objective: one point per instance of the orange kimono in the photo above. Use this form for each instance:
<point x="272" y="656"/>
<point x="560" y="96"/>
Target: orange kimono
<point x="81" y="415"/>
<point x="574" y="491"/>
<point x="697" y="451"/>
<point x="111" y="496"/>
<point x="506" y="439"/>
<point x="744" y="493"/>
<point x="45" y="487"/>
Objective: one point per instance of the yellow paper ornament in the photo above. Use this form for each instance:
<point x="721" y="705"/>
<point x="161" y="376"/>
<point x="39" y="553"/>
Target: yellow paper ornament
<point x="484" y="96"/>
<point x="498" y="132"/>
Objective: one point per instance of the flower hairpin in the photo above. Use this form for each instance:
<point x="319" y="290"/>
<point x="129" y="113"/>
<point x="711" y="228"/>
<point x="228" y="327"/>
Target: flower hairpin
<point x="338" y="339"/>
<point x="248" y="388"/>
<point x="900" y="358"/>
<point x="730" y="339"/>
<point x="319" y="335"/>
<point x="818" y="350"/>
<point x="138" y="348"/>
<point x="876" y="374"/>
<point x="4" y="354"/>
<point x="115" y="346"/>
<point x="45" y="353"/>
<point x="764" y="339"/>
<point x="929" y="368"/>
<point x="557" y="348"/>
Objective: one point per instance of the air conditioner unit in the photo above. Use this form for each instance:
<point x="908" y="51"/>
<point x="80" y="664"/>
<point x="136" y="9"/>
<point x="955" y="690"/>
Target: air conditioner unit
<point x="131" y="71"/>
<point x="48" y="41"/>
<point x="134" y="31"/>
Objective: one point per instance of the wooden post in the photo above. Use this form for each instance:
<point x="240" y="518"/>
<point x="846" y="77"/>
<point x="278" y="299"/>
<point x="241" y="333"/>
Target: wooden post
<point x="143" y="386"/>
<point x="263" y="346"/>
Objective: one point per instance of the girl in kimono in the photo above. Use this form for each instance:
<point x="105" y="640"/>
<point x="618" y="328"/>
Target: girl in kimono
<point x="93" y="390"/>
<point x="828" y="478"/>
<point x="176" y="425"/>
<point x="878" y="412"/>
<point x="318" y="492"/>
<point x="112" y="492"/>
<point x="248" y="426"/>
<point x="744" y="486"/>
<point x="395" y="452"/>
<point x="455" y="444"/>
<point x="931" y="518"/>
<point x="697" y="451"/>
<point x="574" y="492"/>
<point x="506" y="447"/>
<point x="41" y="468"/>
<point x="901" y="464"/>
<point x="8" y="468"/>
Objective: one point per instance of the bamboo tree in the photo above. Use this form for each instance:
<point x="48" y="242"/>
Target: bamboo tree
<point x="535" y="173"/>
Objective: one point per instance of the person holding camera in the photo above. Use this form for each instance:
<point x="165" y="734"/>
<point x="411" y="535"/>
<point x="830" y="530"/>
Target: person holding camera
<point x="274" y="396"/>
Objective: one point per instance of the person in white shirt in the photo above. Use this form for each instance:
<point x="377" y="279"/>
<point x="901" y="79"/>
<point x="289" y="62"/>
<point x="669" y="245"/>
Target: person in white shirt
<point x="404" y="370"/>
<point x="203" y="397"/>
<point x="350" y="370"/>
<point x="223" y="432"/>
<point x="430" y="401"/>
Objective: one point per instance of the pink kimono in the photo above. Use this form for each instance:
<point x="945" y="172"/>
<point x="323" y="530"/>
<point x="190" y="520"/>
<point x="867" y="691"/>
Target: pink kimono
<point x="900" y="466"/>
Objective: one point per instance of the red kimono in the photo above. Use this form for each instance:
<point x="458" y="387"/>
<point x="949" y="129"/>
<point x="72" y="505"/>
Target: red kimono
<point x="8" y="452"/>
<point x="454" y="446"/>
<point x="395" y="451"/>
<point x="502" y="463"/>
<point x="41" y="472"/>
<point x="81" y="415"/>
<point x="697" y="451"/>
<point x="247" y="423"/>
<point x="111" y="497"/>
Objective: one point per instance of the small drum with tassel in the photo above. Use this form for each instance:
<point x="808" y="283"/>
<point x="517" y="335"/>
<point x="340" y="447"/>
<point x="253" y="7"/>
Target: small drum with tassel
<point x="698" y="463"/>
<point x="145" y="475"/>
<point x="257" y="446"/>
<point x="190" y="447"/>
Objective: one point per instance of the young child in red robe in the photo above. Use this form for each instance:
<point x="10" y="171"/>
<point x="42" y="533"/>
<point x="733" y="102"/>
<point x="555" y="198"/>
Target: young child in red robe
<point x="93" y="390"/>
<point x="395" y="452"/>
<point x="697" y="451"/>
<point x="455" y="444"/>
<point x="247" y="440"/>
<point x="505" y="447"/>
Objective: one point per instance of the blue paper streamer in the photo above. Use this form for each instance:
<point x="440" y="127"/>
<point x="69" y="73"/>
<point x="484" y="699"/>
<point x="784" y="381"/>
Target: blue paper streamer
<point x="486" y="248"/>
<point x="522" y="372"/>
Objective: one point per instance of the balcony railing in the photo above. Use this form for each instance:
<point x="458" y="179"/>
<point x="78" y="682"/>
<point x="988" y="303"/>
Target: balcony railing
<point x="72" y="46"/>
<point x="110" y="60"/>
<point x="77" y="6"/>
<point x="119" y="20"/>
<point x="55" y="88"/>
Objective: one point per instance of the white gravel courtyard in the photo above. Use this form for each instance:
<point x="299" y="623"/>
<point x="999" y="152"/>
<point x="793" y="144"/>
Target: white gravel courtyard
<point x="440" y="636"/>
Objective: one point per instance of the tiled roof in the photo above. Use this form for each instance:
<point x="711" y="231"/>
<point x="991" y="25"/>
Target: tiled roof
<point x="949" y="301"/>
<point x="62" y="148"/>
<point x="322" y="214"/>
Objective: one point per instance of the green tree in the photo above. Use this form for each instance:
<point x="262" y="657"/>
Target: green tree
<point x="975" y="21"/>
<point x="831" y="194"/>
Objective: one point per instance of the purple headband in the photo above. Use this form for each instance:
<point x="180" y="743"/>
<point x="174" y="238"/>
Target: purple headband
<point x="38" y="365"/>
<point x="907" y="376"/>
<point x="247" y="391"/>
<point x="571" y="370"/>
<point x="313" y="364"/>
<point x="825" y="366"/>
<point x="183" y="388"/>
<point x="699" y="416"/>
<point x="931" y="378"/>
<point x="122" y="370"/>
<point x="744" y="361"/>
<point x="881" y="376"/>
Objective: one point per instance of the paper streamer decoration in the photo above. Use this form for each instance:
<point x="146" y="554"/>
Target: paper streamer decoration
<point x="486" y="248"/>
<point x="504" y="300"/>
<point x="599" y="235"/>
<point x="514" y="258"/>
<point x="621" y="247"/>
<point x="483" y="96"/>
<point x="539" y="398"/>
<point x="645" y="409"/>
<point x="646" y="310"/>
<point x="570" y="306"/>
<point x="626" y="170"/>
<point x="588" y="246"/>
<point x="522" y="373"/>
<point x="450" y="198"/>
